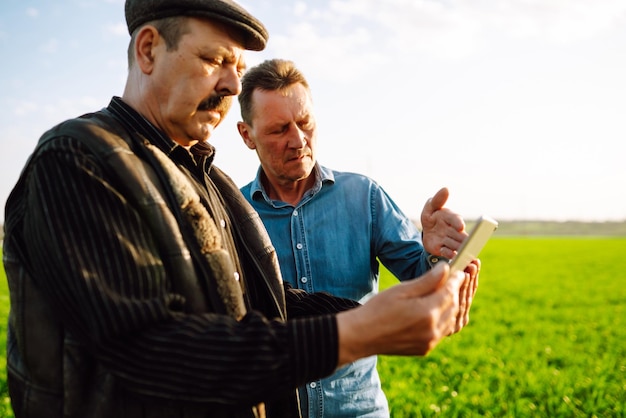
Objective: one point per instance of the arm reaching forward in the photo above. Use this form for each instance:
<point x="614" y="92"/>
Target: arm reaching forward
<point x="409" y="318"/>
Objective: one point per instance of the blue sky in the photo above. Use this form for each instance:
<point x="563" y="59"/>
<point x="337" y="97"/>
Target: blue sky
<point x="518" y="106"/>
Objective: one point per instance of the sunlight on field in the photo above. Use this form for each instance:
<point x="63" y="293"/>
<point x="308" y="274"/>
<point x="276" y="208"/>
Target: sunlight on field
<point x="546" y="338"/>
<point x="5" y="404"/>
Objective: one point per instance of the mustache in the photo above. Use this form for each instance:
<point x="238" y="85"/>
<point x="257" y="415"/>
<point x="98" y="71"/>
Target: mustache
<point x="217" y="103"/>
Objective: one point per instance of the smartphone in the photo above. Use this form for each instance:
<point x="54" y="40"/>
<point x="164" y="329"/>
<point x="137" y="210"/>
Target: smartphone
<point x="474" y="243"/>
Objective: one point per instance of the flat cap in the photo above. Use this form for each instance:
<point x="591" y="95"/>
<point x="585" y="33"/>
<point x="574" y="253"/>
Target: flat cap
<point x="229" y="12"/>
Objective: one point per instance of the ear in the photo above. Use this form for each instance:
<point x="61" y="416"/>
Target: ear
<point x="244" y="131"/>
<point x="145" y="47"/>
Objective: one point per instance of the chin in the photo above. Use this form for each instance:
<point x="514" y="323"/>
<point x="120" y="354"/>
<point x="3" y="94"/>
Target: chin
<point x="205" y="133"/>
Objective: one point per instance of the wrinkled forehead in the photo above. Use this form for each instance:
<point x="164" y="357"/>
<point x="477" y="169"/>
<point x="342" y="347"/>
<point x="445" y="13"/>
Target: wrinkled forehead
<point x="281" y="105"/>
<point x="214" y="40"/>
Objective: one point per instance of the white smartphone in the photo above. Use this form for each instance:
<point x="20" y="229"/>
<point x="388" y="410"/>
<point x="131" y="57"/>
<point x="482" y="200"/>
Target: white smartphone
<point x="474" y="243"/>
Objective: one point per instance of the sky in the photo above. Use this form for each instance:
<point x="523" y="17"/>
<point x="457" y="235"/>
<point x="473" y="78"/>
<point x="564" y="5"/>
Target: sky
<point x="517" y="106"/>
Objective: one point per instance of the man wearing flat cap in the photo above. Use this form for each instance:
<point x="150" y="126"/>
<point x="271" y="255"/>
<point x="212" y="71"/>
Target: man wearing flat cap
<point x="139" y="12"/>
<point x="142" y="283"/>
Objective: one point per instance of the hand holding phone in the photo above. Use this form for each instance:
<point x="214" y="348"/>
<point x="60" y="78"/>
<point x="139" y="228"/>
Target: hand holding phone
<point x="474" y="243"/>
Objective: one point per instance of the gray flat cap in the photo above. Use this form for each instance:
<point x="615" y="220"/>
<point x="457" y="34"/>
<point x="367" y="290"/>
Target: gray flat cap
<point x="229" y="12"/>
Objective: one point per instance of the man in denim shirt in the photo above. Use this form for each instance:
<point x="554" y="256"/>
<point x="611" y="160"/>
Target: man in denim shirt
<point x="330" y="228"/>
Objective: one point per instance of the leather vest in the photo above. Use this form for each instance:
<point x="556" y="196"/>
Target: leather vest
<point x="50" y="374"/>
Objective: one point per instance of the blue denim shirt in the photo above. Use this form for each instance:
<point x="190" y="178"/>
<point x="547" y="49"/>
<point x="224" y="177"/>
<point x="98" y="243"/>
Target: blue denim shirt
<point x="332" y="241"/>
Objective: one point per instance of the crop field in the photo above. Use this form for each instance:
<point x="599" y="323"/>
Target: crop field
<point x="547" y="338"/>
<point x="5" y="404"/>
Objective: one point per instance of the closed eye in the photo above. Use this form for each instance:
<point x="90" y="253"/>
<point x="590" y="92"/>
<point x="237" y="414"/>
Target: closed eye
<point x="279" y="130"/>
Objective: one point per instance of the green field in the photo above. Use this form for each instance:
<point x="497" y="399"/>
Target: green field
<point x="547" y="338"/>
<point x="5" y="405"/>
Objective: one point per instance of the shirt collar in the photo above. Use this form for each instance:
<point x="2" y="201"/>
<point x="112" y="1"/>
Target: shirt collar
<point x="323" y="177"/>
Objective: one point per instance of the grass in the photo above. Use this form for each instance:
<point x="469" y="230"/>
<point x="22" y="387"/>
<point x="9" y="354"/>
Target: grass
<point x="546" y="338"/>
<point x="5" y="403"/>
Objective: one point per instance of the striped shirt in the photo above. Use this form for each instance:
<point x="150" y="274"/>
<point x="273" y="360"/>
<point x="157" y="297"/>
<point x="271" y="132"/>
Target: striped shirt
<point x="99" y="266"/>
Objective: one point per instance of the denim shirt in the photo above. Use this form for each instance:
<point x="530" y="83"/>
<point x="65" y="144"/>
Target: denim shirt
<point x="331" y="241"/>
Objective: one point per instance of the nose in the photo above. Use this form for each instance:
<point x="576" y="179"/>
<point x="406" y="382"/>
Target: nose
<point x="298" y="139"/>
<point x="230" y="81"/>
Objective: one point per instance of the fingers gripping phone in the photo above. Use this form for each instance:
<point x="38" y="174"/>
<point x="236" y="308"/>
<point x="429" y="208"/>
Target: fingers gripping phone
<point x="474" y="243"/>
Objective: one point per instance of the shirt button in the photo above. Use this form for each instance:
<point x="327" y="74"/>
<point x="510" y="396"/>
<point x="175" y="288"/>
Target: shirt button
<point x="299" y="246"/>
<point x="313" y="385"/>
<point x="304" y="280"/>
<point x="223" y="223"/>
<point x="236" y="276"/>
<point x="295" y="213"/>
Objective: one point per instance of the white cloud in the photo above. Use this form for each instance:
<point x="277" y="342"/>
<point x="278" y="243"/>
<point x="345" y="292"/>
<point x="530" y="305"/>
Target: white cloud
<point x="556" y="20"/>
<point x="415" y="25"/>
<point x="450" y="30"/>
<point x="300" y="8"/>
<point x="310" y="48"/>
<point x="117" y="29"/>
<point x="32" y="12"/>
<point x="50" y="46"/>
<point x="25" y="109"/>
<point x="54" y="112"/>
